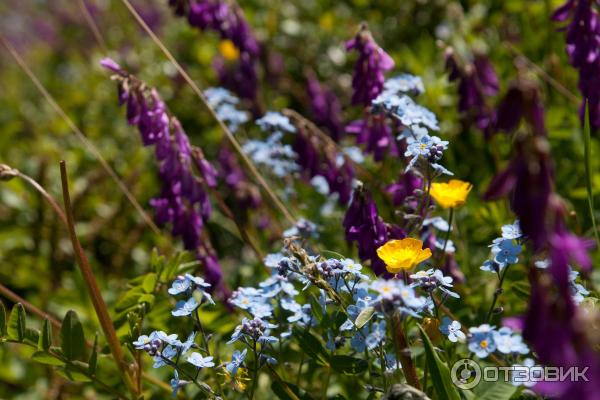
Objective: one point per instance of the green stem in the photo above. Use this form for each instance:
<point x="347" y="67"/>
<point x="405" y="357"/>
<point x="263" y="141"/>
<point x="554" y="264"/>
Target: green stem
<point x="447" y="236"/>
<point x="497" y="294"/>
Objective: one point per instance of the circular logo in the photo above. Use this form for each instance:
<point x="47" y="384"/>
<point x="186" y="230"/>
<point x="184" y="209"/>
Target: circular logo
<point x="466" y="374"/>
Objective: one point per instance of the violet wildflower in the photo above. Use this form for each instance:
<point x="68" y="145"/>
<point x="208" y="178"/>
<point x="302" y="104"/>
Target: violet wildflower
<point x="404" y="188"/>
<point x="325" y="108"/>
<point x="372" y="63"/>
<point x="183" y="202"/>
<point x="477" y="81"/>
<point x="583" y="49"/>
<point x="227" y="19"/>
<point x="522" y="101"/>
<point x="364" y="226"/>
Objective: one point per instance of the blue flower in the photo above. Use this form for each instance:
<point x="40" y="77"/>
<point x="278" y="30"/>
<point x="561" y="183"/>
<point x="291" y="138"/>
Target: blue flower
<point x="506" y="252"/>
<point x="185" y="346"/>
<point x="452" y="330"/>
<point x="429" y="148"/>
<point x="277" y="284"/>
<point x="404" y="83"/>
<point x="481" y="340"/>
<point x="404" y="109"/>
<point x="236" y="361"/>
<point x="224" y="103"/>
<point x="508" y="342"/>
<point x="303" y="228"/>
<point x="438" y="223"/>
<point x="492" y="266"/>
<point x="275" y="121"/>
<point x="267" y="339"/>
<point x="180" y="285"/>
<point x="272" y="154"/>
<point x="377" y="335"/>
<point x="176" y="383"/>
<point x="199" y="361"/>
<point x="184" y="308"/>
<point x="216" y="96"/>
<point x="512" y="231"/>
<point x="353" y="268"/>
<point x="358" y="341"/>
<point x="578" y="291"/>
<point x="168" y="353"/>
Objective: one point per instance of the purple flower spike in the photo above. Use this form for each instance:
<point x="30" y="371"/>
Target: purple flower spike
<point x="476" y="82"/>
<point x="583" y="49"/>
<point x="370" y="67"/>
<point x="364" y="226"/>
<point x="325" y="107"/>
<point x="183" y="202"/>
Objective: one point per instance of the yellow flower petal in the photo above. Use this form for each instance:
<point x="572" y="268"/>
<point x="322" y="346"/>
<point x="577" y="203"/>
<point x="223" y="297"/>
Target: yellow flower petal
<point x="451" y="194"/>
<point x="402" y="254"/>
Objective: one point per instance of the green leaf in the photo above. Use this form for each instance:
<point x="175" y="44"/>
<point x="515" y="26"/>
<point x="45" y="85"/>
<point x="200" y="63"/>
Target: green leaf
<point x="32" y="336"/>
<point x="440" y="374"/>
<point x="2" y="320"/>
<point x="365" y="316"/>
<point x="93" y="360"/>
<point x="279" y="389"/>
<point x="494" y="390"/>
<point x="587" y="154"/>
<point x="16" y="323"/>
<point x="316" y="308"/>
<point x="73" y="374"/>
<point x="45" y="358"/>
<point x="348" y="365"/>
<point x="311" y="345"/>
<point x="128" y="300"/>
<point x="71" y="337"/>
<point x="149" y="283"/>
<point x="45" y="340"/>
<point x="146" y="298"/>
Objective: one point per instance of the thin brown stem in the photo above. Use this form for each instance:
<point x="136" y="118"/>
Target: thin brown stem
<point x="93" y="289"/>
<point x="403" y="353"/>
<point x="89" y="145"/>
<point x="89" y="19"/>
<point x="253" y="170"/>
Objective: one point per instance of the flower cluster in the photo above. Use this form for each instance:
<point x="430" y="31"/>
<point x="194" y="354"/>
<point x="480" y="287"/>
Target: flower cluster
<point x="239" y="44"/>
<point x="272" y="153"/>
<point x="477" y="81"/>
<point x="504" y="249"/>
<point x="583" y="48"/>
<point x="193" y="287"/>
<point x="183" y="202"/>
<point x="224" y="103"/>
<point x="485" y="339"/>
<point x="325" y="108"/>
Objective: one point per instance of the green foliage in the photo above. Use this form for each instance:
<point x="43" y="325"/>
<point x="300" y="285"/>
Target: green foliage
<point x="72" y="341"/>
<point x="440" y="374"/>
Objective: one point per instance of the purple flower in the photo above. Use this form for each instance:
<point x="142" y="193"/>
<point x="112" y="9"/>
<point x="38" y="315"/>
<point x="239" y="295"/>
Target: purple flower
<point x="325" y="107"/>
<point x="183" y="202"/>
<point x="476" y="82"/>
<point x="404" y="187"/>
<point x="227" y="19"/>
<point x="372" y="63"/>
<point x="376" y="134"/>
<point x="583" y="49"/>
<point x="528" y="179"/>
<point x="364" y="226"/>
<point x="522" y="101"/>
<point x="319" y="158"/>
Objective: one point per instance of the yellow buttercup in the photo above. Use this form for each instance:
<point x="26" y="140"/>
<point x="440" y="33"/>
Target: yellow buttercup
<point x="228" y="50"/>
<point x="403" y="254"/>
<point x="451" y="194"/>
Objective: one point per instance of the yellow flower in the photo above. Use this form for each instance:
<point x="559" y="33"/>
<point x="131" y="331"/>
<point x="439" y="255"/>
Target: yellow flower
<point x="402" y="254"/>
<point x="228" y="50"/>
<point x="451" y="194"/>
